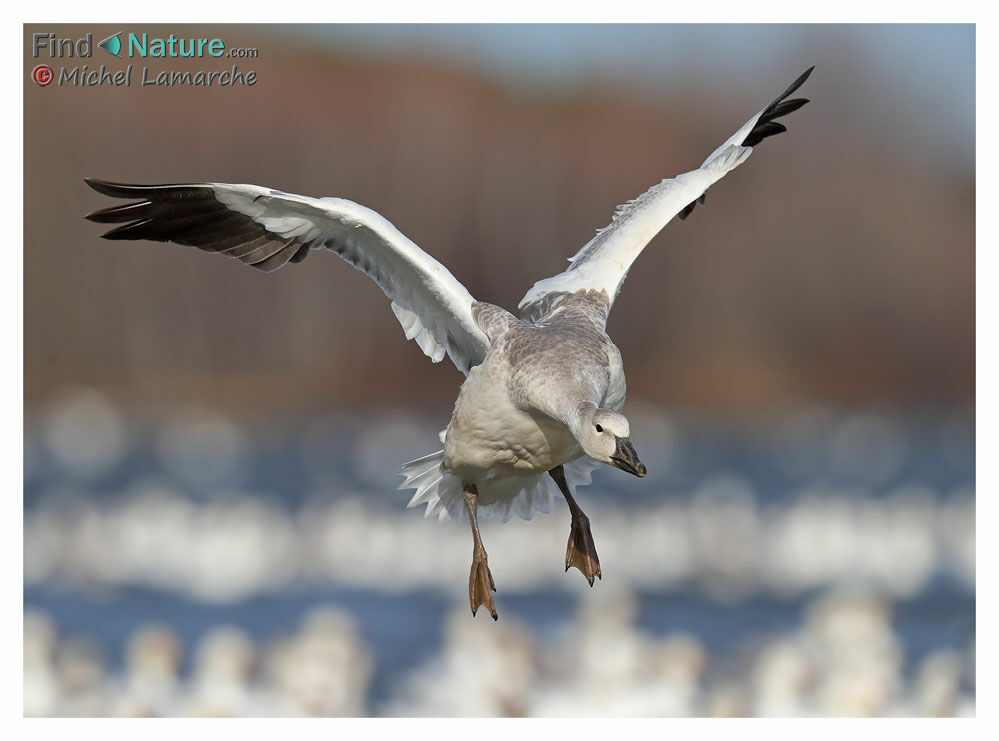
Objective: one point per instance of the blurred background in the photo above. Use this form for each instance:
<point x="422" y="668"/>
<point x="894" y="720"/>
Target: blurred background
<point x="211" y="525"/>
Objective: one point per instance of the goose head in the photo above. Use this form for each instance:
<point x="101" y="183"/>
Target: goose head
<point x="605" y="436"/>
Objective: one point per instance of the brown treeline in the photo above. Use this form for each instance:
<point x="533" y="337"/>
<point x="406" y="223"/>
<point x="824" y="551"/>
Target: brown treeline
<point x="826" y="267"/>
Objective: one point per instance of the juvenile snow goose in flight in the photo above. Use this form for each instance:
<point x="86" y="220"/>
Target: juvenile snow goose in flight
<point x="541" y="404"/>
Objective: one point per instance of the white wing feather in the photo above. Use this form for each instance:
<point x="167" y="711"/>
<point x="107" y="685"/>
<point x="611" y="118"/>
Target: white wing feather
<point x="603" y="263"/>
<point x="432" y="306"/>
<point x="267" y="229"/>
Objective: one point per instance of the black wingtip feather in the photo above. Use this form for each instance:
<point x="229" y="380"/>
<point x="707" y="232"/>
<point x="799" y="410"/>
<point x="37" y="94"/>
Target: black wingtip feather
<point x="789" y="106"/>
<point x="301" y="254"/>
<point x="690" y="206"/>
<point x="793" y="86"/>
<point x="114" y="214"/>
<point x="134" y="230"/>
<point x="190" y="214"/>
<point x="117" y="190"/>
<point x="761" y="131"/>
<point x="126" y="190"/>
<point x="766" y="126"/>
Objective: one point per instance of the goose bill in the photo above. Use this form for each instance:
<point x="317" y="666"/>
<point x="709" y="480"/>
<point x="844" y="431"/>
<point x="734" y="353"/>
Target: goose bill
<point x="626" y="458"/>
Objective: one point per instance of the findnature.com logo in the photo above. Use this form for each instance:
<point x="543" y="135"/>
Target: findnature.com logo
<point x="124" y="45"/>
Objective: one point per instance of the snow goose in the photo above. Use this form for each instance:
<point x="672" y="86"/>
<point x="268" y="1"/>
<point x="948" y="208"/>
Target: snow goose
<point x="542" y="400"/>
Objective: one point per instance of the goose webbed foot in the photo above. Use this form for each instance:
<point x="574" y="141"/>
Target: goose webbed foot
<point x="580" y="552"/>
<point x="481" y="585"/>
<point x="480" y="580"/>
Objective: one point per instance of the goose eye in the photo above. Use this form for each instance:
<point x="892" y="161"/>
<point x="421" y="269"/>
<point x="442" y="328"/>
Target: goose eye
<point x="599" y="428"/>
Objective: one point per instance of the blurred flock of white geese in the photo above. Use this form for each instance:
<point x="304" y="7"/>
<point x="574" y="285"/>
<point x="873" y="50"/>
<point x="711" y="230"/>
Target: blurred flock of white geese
<point x="844" y="660"/>
<point x="190" y="505"/>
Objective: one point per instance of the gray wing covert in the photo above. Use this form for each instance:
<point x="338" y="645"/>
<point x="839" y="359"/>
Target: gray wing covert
<point x="495" y="321"/>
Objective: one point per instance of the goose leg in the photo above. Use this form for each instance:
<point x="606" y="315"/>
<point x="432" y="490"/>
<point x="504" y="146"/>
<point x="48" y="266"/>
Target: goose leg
<point x="480" y="581"/>
<point x="580" y="551"/>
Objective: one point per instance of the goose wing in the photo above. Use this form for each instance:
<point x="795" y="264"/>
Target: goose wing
<point x="603" y="263"/>
<point x="267" y="229"/>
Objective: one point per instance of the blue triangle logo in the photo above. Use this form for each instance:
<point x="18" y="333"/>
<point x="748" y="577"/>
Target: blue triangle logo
<point x="112" y="44"/>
